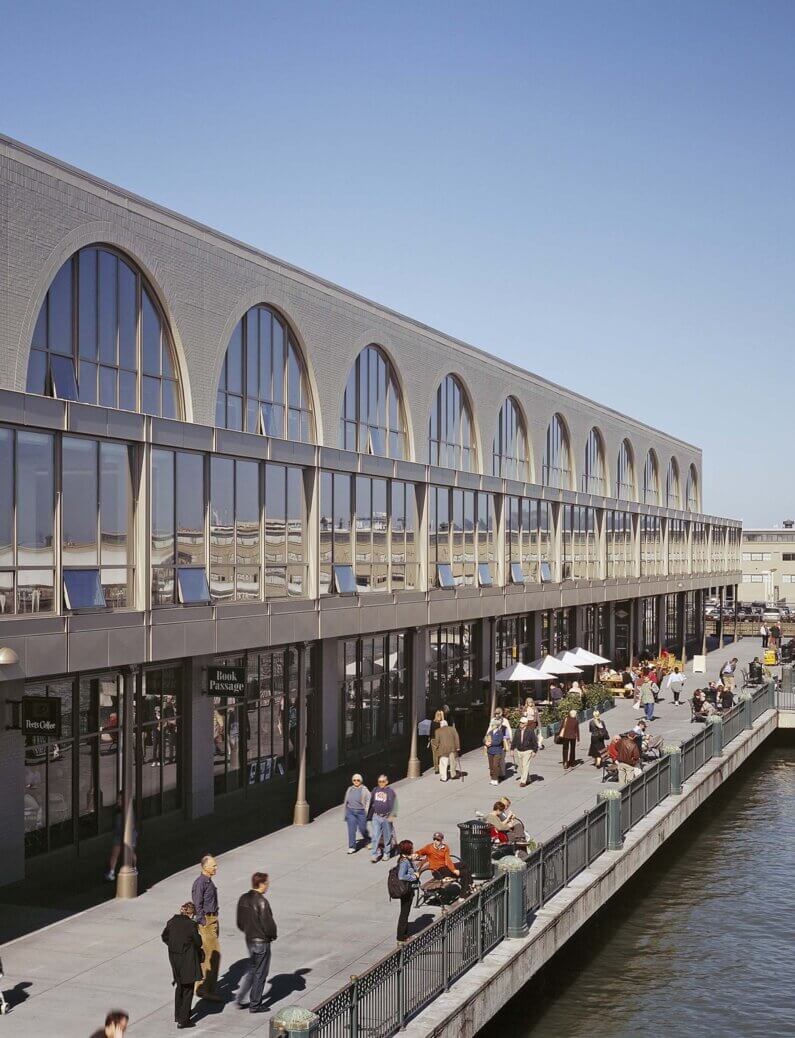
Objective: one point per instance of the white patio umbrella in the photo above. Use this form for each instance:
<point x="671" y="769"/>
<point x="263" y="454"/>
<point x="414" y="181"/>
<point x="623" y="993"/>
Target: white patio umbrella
<point x="590" y="659"/>
<point x="521" y="672"/>
<point x="558" y="668"/>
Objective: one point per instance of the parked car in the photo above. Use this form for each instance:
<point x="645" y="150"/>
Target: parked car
<point x="771" y="616"/>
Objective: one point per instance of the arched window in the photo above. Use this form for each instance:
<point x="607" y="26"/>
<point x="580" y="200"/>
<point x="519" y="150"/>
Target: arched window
<point x="651" y="480"/>
<point x="372" y="410"/>
<point x="450" y="435"/>
<point x="691" y="492"/>
<point x="625" y="472"/>
<point x="593" y="473"/>
<point x="672" y="496"/>
<point x="263" y="386"/>
<point x="101" y="338"/>
<point x="509" y="449"/>
<point x="556" y="465"/>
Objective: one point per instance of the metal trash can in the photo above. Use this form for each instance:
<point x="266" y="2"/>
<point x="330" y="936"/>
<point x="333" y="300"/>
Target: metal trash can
<point x="476" y="848"/>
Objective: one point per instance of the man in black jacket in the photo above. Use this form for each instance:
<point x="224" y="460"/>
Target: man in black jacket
<point x="255" y="919"/>
<point x="185" y="955"/>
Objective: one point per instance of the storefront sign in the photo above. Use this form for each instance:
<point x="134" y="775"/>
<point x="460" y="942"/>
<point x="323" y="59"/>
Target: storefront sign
<point x="41" y="717"/>
<point x="264" y="769"/>
<point x="226" y="681"/>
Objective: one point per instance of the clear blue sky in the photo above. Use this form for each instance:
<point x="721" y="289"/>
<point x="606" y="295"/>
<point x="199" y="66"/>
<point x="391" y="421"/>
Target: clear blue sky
<point x="601" y="192"/>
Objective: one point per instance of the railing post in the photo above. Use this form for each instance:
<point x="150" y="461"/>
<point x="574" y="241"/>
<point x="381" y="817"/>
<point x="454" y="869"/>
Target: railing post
<point x="514" y="869"/>
<point x="612" y="797"/>
<point x="354" y="1023"/>
<point x="480" y="925"/>
<point x="402" y="989"/>
<point x="566" y="855"/>
<point x="716" y="723"/>
<point x="445" y="956"/>
<point x="675" y="756"/>
<point x="746" y="698"/>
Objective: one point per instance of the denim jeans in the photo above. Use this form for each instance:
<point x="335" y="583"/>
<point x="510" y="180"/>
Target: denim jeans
<point x="649" y="708"/>
<point x="257" y="975"/>
<point x="381" y="826"/>
<point x="356" y="820"/>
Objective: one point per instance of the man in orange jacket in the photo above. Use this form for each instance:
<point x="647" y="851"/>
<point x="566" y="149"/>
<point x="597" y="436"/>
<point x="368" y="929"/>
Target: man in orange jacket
<point x="439" y="861"/>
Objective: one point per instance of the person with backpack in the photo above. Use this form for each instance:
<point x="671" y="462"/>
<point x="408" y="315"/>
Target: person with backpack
<point x="185" y="954"/>
<point x="402" y="881"/>
<point x="255" y="919"/>
<point x="495" y="751"/>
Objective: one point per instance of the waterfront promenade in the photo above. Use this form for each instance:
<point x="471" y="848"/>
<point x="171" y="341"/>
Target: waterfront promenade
<point x="332" y="910"/>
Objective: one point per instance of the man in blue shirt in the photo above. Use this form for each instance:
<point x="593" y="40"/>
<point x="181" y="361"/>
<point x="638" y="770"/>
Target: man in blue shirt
<point x="382" y="813"/>
<point x="204" y="895"/>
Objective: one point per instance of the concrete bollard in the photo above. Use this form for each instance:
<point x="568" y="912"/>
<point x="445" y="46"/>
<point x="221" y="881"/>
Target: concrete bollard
<point x="675" y="753"/>
<point x="515" y="870"/>
<point x="612" y="797"/>
<point x="294" y="1022"/>
<point x="717" y="734"/>
<point x="746" y="698"/>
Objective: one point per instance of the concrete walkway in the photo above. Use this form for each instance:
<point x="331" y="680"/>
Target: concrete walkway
<point x="332" y="910"/>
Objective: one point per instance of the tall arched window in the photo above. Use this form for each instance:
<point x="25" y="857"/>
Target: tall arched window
<point x="691" y="493"/>
<point x="672" y="495"/>
<point x="593" y="473"/>
<point x="450" y="433"/>
<point x="651" y="480"/>
<point x="556" y="465"/>
<point x="509" y="449"/>
<point x="101" y="338"/>
<point x="373" y="420"/>
<point x="625" y="472"/>
<point x="263" y="386"/>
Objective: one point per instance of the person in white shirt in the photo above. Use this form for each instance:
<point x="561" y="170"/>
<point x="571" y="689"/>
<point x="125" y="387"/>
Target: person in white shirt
<point x="674" y="682"/>
<point x="764" y="632"/>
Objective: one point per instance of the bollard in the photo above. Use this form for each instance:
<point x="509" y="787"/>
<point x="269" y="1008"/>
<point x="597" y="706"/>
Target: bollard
<point x="746" y="698"/>
<point x="675" y="753"/>
<point x="294" y="1022"/>
<point x="515" y="869"/>
<point x="717" y="734"/>
<point x="613" y="799"/>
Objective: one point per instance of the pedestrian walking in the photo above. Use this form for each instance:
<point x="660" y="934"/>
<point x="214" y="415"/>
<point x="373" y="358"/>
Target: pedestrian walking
<point x="382" y="812"/>
<point x="727" y="673"/>
<point x="448" y="746"/>
<point x="255" y="919"/>
<point x="499" y="719"/>
<point x="647" y="698"/>
<point x="181" y="936"/>
<point x="525" y="748"/>
<point x="495" y="751"/>
<point x="438" y="717"/>
<point x="356" y="803"/>
<point x="569" y="736"/>
<point x="764" y="632"/>
<point x="674" y="682"/>
<point x="599" y="737"/>
<point x="533" y="716"/>
<point x="402" y="881"/>
<point x="204" y="896"/>
<point x="115" y="1025"/>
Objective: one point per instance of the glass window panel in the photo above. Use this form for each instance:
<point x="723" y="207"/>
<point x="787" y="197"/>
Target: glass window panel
<point x="193" y="587"/>
<point x="40" y="331"/>
<point x="37" y="372"/>
<point x="166" y="359"/>
<point x="150" y="337"/>
<point x="7" y="598"/>
<point x="82" y="589"/>
<point x="107" y="387"/>
<point x="265" y="344"/>
<point x="35" y="591"/>
<point x="87" y="305"/>
<point x="293" y="378"/>
<point x="79" y="502"/>
<point x="222" y="582"/>
<point x="234" y="361"/>
<point x="150" y="395"/>
<point x="6" y="497"/>
<point x="342" y="519"/>
<point x="190" y="509"/>
<point x="445" y="576"/>
<point x="115" y="491"/>
<point x="278" y="346"/>
<point x="88" y="382"/>
<point x="118" y="588"/>
<point x="35" y="499"/>
<point x="484" y="574"/>
<point x="275" y="515"/>
<point x="162" y="551"/>
<point x="344" y="580"/>
<point x="60" y="316"/>
<point x="170" y="399"/>
<point x="63" y="378"/>
<point x="127" y="317"/>
<point x="108" y="321"/>
<point x="295" y="515"/>
<point x="128" y="391"/>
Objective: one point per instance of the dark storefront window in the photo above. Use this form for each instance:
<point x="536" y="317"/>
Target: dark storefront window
<point x="514" y="640"/>
<point x="49" y="817"/>
<point x="691" y="616"/>
<point x="374" y="691"/>
<point x="623" y="636"/>
<point x="158" y="723"/>
<point x="649" y="625"/>
<point x="588" y="637"/>
<point x="452" y="676"/>
<point x="673" y="616"/>
<point x="602" y="631"/>
<point x="563" y="630"/>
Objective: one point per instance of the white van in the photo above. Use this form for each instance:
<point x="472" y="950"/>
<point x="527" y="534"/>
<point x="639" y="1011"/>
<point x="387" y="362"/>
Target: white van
<point x="771" y="616"/>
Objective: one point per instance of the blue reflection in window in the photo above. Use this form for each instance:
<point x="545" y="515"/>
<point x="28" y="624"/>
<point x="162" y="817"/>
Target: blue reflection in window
<point x="484" y="574"/>
<point x="193" y="587"/>
<point x="83" y="589"/>
<point x="517" y="577"/>
<point x="546" y="573"/>
<point x="344" y="580"/>
<point x="445" y="576"/>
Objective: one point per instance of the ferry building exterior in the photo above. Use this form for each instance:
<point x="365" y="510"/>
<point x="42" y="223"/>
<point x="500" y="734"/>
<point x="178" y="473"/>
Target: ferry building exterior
<point x="254" y="527"/>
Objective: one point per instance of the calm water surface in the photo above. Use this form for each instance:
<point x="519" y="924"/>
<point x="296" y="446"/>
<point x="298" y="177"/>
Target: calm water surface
<point x="702" y="943"/>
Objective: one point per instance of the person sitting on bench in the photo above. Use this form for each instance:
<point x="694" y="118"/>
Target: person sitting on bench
<point x="441" y="865"/>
